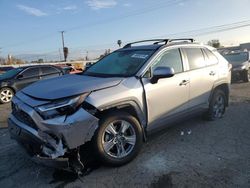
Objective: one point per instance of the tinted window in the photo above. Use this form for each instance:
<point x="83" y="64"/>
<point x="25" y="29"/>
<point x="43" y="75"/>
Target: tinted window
<point x="120" y="63"/>
<point x="31" y="72"/>
<point x="195" y="58"/>
<point x="212" y="59"/>
<point x="49" y="70"/>
<point x="170" y="58"/>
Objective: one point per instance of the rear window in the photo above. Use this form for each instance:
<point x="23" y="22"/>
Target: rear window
<point x="49" y="70"/>
<point x="212" y="59"/>
<point x="195" y="58"/>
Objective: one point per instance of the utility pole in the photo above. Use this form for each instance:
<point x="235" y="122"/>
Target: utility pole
<point x="65" y="49"/>
<point x="87" y="56"/>
<point x="62" y="32"/>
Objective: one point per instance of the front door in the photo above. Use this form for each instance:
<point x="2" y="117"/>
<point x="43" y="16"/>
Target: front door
<point x="170" y="95"/>
<point x="27" y="77"/>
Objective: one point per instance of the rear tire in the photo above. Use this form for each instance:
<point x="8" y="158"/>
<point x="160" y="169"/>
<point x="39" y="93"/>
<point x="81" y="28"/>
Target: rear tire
<point x="246" y="76"/>
<point x="217" y="105"/>
<point x="6" y="95"/>
<point x="118" y="139"/>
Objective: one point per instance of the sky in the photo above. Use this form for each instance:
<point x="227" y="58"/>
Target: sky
<point x="31" y="28"/>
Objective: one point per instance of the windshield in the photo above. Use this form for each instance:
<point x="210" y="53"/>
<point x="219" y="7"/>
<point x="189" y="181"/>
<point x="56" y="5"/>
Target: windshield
<point x="10" y="73"/>
<point x="120" y="63"/>
<point x="237" y="58"/>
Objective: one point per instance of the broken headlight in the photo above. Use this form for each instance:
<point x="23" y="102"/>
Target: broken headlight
<point x="61" y="107"/>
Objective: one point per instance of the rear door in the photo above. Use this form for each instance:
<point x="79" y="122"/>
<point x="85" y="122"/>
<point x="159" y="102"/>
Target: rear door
<point x="49" y="72"/>
<point x="27" y="77"/>
<point x="169" y="96"/>
<point x="201" y="77"/>
<point x="212" y="63"/>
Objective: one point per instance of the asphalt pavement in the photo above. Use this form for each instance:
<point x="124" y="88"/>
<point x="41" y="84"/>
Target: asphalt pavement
<point x="194" y="153"/>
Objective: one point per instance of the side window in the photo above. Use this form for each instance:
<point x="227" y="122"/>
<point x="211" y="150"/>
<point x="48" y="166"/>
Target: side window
<point x="195" y="58"/>
<point x="171" y="58"/>
<point x="212" y="59"/>
<point x="49" y="70"/>
<point x="30" y="72"/>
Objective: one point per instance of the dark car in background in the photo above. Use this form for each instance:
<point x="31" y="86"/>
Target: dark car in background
<point x="18" y="78"/>
<point x="89" y="64"/>
<point x="5" y="69"/>
<point x="71" y="70"/>
<point x="240" y="65"/>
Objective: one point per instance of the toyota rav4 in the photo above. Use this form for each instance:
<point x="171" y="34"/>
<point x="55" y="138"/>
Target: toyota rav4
<point x="118" y="101"/>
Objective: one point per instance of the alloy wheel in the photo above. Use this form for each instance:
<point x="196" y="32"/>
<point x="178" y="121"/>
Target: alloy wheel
<point x="219" y="107"/>
<point x="6" y="95"/>
<point x="119" y="139"/>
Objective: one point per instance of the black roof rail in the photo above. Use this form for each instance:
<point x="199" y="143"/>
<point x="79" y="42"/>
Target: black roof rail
<point x="157" y="41"/>
<point x="141" y="41"/>
<point x="181" y="39"/>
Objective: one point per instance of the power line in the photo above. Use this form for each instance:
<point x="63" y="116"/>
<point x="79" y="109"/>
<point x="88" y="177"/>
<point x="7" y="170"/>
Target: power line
<point x="159" y="5"/>
<point x="137" y="12"/>
<point x="192" y="33"/>
<point x="210" y="30"/>
<point x="216" y="29"/>
<point x="104" y="21"/>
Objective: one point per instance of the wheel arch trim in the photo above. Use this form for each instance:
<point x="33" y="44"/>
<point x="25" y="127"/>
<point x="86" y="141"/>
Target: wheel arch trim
<point x="125" y="105"/>
<point x="224" y="86"/>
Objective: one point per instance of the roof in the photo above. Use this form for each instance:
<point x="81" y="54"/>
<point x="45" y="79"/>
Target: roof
<point x="142" y="47"/>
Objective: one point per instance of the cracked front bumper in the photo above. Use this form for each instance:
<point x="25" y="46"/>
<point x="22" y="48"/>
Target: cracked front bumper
<point x="50" y="139"/>
<point x="33" y="145"/>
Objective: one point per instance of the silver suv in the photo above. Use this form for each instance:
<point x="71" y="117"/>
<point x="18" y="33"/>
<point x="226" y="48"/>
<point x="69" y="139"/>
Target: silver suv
<point x="119" y="100"/>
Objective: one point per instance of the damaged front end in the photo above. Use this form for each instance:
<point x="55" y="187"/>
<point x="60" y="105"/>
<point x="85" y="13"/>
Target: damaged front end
<point x="52" y="140"/>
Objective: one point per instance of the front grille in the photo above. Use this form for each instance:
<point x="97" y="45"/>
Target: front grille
<point x="23" y="117"/>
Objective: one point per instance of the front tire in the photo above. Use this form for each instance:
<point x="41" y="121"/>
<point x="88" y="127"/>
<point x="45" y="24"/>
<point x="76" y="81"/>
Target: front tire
<point x="6" y="95"/>
<point x="118" y="139"/>
<point x="217" y="105"/>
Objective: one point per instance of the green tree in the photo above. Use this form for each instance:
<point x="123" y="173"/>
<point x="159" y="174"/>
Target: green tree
<point x="214" y="43"/>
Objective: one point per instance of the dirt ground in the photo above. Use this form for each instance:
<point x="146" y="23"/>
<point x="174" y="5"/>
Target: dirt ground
<point x="194" y="153"/>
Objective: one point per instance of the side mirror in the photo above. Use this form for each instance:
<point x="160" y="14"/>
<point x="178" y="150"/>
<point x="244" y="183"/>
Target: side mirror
<point x="162" y="72"/>
<point x="19" y="76"/>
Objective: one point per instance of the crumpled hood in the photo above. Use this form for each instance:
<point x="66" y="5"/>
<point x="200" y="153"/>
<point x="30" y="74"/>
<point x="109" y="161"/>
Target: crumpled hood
<point x="67" y="86"/>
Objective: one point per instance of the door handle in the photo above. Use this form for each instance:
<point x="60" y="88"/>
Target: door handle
<point x="184" y="82"/>
<point x="212" y="73"/>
